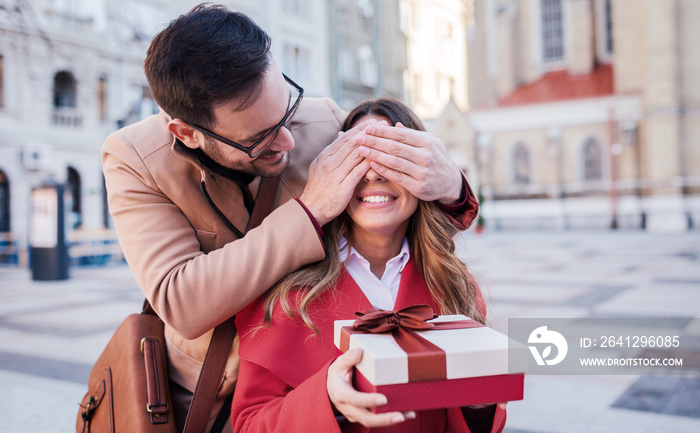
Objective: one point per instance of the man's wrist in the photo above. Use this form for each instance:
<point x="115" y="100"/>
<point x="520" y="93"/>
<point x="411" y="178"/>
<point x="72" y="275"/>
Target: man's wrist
<point x="461" y="202"/>
<point x="456" y="194"/>
<point x="314" y="221"/>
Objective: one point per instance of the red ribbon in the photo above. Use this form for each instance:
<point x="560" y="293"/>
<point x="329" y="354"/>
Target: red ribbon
<point x="426" y="361"/>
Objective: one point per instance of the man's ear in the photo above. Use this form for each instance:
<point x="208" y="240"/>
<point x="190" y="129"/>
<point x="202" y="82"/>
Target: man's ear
<point x="184" y="132"/>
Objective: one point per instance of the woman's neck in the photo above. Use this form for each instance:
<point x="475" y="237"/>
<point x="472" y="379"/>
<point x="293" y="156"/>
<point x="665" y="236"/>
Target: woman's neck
<point x="377" y="249"/>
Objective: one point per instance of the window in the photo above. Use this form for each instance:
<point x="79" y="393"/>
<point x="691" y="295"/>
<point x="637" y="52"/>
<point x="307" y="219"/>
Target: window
<point x="608" y="27"/>
<point x="365" y="8"/>
<point x="369" y="74"/>
<point x="446" y="38"/>
<point x="148" y="104"/>
<point x="346" y="63"/>
<point x="418" y="87"/>
<point x="604" y="31"/>
<point x="592" y="160"/>
<point x="142" y="105"/>
<point x="65" y="100"/>
<point x="2" y="84"/>
<point x="299" y="8"/>
<point x="521" y="165"/>
<point x="74" y="194"/>
<point x="552" y="30"/>
<point x="297" y="63"/>
<point x="64" y="90"/>
<point x="445" y="85"/>
<point x="4" y="203"/>
<point x="405" y="17"/>
<point x="102" y="97"/>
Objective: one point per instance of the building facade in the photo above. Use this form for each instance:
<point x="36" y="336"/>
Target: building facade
<point x="437" y="53"/>
<point x="368" y="57"/>
<point x="71" y="72"/>
<point x="587" y="112"/>
<point x="300" y="36"/>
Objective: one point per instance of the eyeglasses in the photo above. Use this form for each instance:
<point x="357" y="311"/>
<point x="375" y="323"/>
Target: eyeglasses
<point x="259" y="146"/>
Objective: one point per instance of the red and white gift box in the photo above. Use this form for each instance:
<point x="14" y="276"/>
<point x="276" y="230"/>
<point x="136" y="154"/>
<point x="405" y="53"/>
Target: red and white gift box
<point x="462" y="367"/>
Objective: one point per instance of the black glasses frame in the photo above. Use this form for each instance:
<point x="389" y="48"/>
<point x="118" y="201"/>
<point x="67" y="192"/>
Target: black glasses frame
<point x="251" y="150"/>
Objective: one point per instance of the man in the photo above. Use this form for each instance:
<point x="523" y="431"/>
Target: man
<point x="181" y="183"/>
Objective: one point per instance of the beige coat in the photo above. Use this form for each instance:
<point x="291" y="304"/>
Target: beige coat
<point x="189" y="264"/>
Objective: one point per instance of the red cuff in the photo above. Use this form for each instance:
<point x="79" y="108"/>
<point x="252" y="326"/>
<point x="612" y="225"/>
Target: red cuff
<point x="461" y="206"/>
<point x="317" y="226"/>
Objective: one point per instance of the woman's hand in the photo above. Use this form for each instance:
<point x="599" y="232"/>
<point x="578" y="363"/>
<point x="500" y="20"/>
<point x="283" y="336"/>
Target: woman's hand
<point x="355" y="405"/>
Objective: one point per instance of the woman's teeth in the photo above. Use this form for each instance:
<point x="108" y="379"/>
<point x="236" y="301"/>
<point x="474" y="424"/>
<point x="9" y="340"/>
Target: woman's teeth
<point x="376" y="199"/>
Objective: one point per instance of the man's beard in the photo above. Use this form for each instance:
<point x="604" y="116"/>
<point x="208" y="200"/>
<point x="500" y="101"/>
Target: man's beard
<point x="254" y="167"/>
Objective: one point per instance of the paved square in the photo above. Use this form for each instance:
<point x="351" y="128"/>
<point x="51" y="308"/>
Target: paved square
<point x="52" y="332"/>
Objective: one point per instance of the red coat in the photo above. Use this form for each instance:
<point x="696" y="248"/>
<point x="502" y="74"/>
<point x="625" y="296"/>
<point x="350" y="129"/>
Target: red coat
<point x="282" y="379"/>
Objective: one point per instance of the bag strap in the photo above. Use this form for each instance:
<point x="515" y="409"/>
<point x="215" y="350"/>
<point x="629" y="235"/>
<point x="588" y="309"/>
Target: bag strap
<point x="222" y="339"/>
<point x="264" y="200"/>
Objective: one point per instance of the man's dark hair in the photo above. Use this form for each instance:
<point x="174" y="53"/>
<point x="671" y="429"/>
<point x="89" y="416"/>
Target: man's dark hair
<point x="208" y="56"/>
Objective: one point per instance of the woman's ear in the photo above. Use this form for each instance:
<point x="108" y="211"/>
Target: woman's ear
<point x="184" y="132"/>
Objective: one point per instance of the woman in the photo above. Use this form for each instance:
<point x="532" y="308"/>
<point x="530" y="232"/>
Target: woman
<point x="387" y="250"/>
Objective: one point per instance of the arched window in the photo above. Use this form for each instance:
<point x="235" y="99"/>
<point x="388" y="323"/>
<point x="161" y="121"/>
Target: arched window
<point x="76" y="213"/>
<point x="64" y="90"/>
<point x="521" y="165"/>
<point x="592" y="160"/>
<point x="4" y="203"/>
<point x="552" y="30"/>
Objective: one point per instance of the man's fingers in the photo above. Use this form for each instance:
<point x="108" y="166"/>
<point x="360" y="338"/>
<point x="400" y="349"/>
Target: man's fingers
<point x="344" y="138"/>
<point x="403" y="158"/>
<point x="334" y="155"/>
<point x="392" y="153"/>
<point x="355" y="175"/>
<point x="339" y="162"/>
<point x="397" y="168"/>
<point x="349" y="172"/>
<point x="398" y="133"/>
<point x="393" y="175"/>
<point x="417" y="160"/>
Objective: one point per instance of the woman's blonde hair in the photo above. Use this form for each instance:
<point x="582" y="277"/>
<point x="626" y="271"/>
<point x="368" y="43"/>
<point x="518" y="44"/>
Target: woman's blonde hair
<point x="429" y="234"/>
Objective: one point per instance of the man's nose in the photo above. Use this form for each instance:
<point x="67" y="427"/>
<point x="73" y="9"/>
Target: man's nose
<point x="283" y="141"/>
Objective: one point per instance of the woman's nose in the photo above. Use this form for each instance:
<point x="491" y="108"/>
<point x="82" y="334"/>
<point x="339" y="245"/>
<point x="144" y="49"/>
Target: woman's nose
<point x="373" y="176"/>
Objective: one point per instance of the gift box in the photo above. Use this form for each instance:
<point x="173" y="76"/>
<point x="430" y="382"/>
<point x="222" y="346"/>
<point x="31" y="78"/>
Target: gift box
<point x="440" y="362"/>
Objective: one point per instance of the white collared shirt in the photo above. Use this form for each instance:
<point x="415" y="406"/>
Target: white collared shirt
<point x="380" y="292"/>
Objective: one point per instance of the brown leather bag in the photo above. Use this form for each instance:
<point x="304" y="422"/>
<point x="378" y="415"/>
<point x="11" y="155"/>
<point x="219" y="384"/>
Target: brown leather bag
<point x="128" y="388"/>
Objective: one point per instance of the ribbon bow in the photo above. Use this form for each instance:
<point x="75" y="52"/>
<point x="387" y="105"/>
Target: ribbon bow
<point x="426" y="361"/>
<point x="379" y="321"/>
